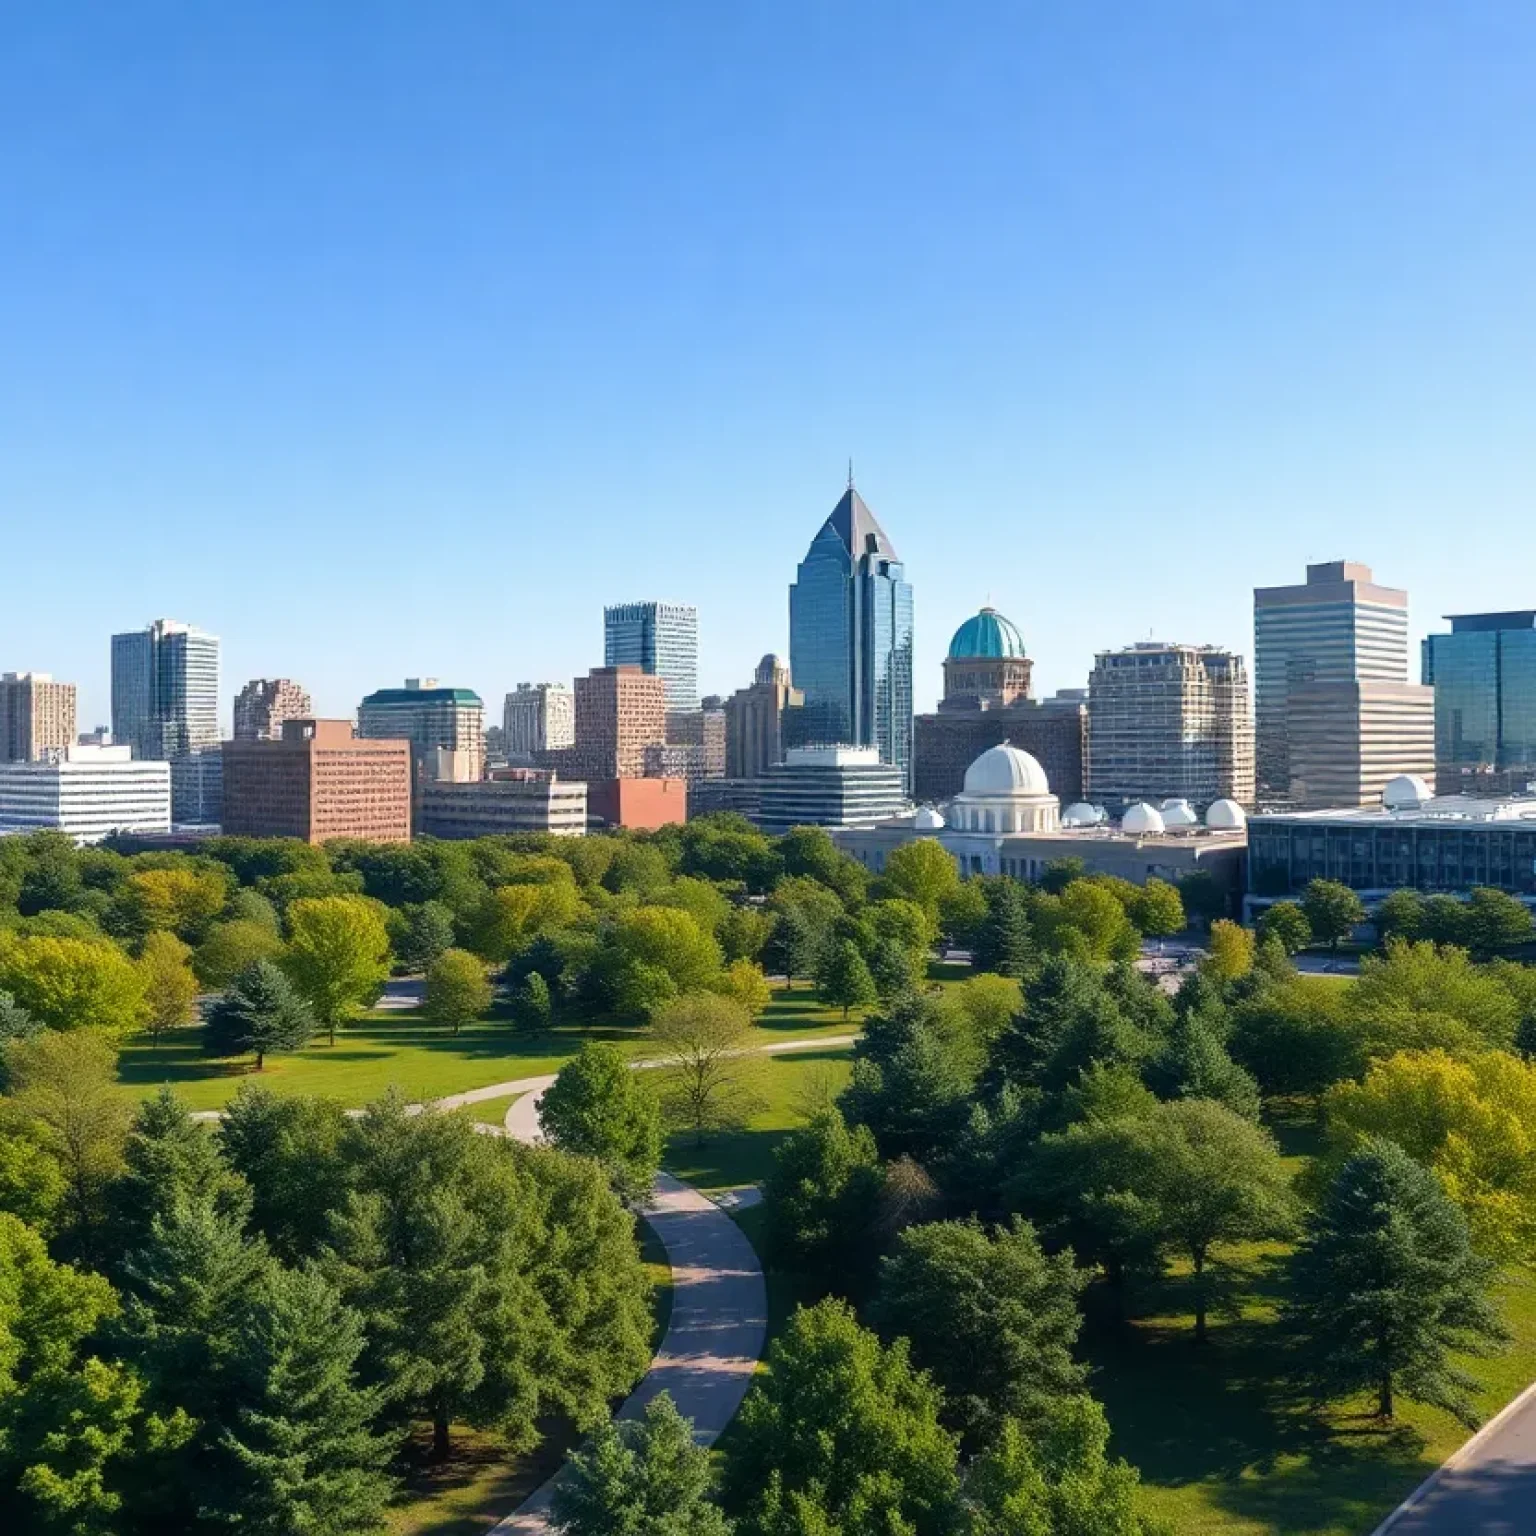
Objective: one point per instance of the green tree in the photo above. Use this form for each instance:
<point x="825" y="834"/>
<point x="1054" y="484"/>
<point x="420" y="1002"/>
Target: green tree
<point x="458" y="990"/>
<point x="744" y="933"/>
<point x="655" y="954"/>
<point x="1496" y="921"/>
<point x="1400" y="916"/>
<point x="597" y="1107"/>
<point x="709" y="1075"/>
<point x="1419" y="997"/>
<point x="231" y="948"/>
<point x="1004" y="942"/>
<point x="419" y="933"/>
<point x="923" y="872"/>
<point x="910" y="1085"/>
<point x="1204" y="897"/>
<point x="1292" y="1038"/>
<point x="531" y="1005"/>
<point x="641" y="1477"/>
<point x="337" y="956"/>
<point x="1287" y="925"/>
<point x="1443" y="921"/>
<point x="1157" y="910"/>
<point x="170" y="988"/>
<point x="989" y="1316"/>
<point x="1230" y="952"/>
<point x="745" y="983"/>
<point x="301" y="1444"/>
<point x="1386" y="1288"/>
<point x="962" y="913"/>
<point x="261" y="1014"/>
<point x="183" y="900"/>
<point x="1194" y="1064"/>
<point x="73" y="983"/>
<point x="1332" y="910"/>
<point x="893" y="970"/>
<point x="843" y="979"/>
<point x="809" y="854"/>
<point x="842" y="1435"/>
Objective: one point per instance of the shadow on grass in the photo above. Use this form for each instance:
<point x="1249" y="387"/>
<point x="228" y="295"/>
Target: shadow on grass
<point x="726" y="1159"/>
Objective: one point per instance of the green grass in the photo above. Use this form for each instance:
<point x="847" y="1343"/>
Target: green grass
<point x="400" y="1050"/>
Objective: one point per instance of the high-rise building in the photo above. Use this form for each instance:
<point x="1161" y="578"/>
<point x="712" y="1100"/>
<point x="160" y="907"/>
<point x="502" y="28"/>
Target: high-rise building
<point x="165" y="689"/>
<point x="87" y="792"/>
<point x="661" y="639"/>
<point x="620" y="718"/>
<point x="1169" y="722"/>
<point x="538" y="717"/>
<point x="850" y="638"/>
<point x="754" y="720"/>
<point x="433" y="720"/>
<point x="1484" y="677"/>
<point x="988" y="701"/>
<point x="37" y="716"/>
<point x="1338" y="627"/>
<point x="264" y="703"/>
<point x="316" y="782"/>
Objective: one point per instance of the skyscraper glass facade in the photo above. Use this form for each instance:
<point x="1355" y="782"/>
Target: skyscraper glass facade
<point x="1484" y="677"/>
<point x="661" y="639"/>
<point x="165" y="690"/>
<point x="850" y="639"/>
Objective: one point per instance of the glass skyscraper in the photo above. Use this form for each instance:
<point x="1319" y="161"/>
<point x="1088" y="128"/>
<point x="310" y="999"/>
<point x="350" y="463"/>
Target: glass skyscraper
<point x="661" y="639"/>
<point x="165" y="690"/>
<point x="1484" y="677"/>
<point x="850" y="638"/>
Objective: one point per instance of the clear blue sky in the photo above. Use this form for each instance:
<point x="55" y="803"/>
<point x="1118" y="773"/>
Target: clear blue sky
<point x="388" y="339"/>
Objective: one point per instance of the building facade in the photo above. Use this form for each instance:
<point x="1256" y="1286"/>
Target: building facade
<point x="621" y="716"/>
<point x="1347" y="740"/>
<point x="1169" y="722"/>
<point x="197" y="788"/>
<point x="1484" y="677"/>
<point x="701" y="736"/>
<point x="850" y="639"/>
<point x="754" y="720"/>
<point x="264" y="703"/>
<point x="316" y="782"/>
<point x="538" y="717"/>
<point x="515" y="800"/>
<point x="642" y="805"/>
<point x="37" y="716"/>
<point x="1337" y="627"/>
<point x="88" y="793"/>
<point x="431" y="719"/>
<point x="165" y="690"/>
<point x="830" y="787"/>
<point x="661" y="639"/>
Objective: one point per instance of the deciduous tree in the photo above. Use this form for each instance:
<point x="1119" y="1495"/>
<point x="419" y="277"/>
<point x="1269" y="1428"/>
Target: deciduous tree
<point x="170" y="988"/>
<point x="1287" y="925"/>
<point x="710" y="1078"/>
<point x="338" y="956"/>
<point x="458" y="990"/>
<point x="231" y="948"/>
<point x="73" y="983"/>
<point x="843" y="979"/>
<point x="1332" y="910"/>
<point x="923" y="872"/>
<point x="597" y="1107"/>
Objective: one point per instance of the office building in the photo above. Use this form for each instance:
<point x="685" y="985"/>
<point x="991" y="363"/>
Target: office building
<point x="1337" y="627"/>
<point x="1409" y="838"/>
<point x="37" y="716"/>
<point x="318" y="781"/>
<point x="538" y="717"/>
<point x="620" y="717"/>
<point x="88" y="793"/>
<point x="264" y="703"/>
<point x="987" y="701"/>
<point x="1348" y="739"/>
<point x="830" y="787"/>
<point x="430" y="718"/>
<point x="197" y="787"/>
<point x="661" y="639"/>
<point x="754" y="720"/>
<point x="1484" y="677"/>
<point x="512" y="800"/>
<point x="700" y="734"/>
<point x="165" y="690"/>
<point x="1169" y="722"/>
<point x="640" y="805"/>
<point x="850" y="639"/>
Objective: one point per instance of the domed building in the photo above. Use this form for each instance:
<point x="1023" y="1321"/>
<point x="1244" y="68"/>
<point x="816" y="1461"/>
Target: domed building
<point x="1006" y="790"/>
<point x="986" y="662"/>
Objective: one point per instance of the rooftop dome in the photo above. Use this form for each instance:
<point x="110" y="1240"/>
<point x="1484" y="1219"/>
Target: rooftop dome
<point x="1179" y="813"/>
<point x="1226" y="816"/>
<point x="988" y="635"/>
<point x="1081" y="814"/>
<point x="771" y="669"/>
<point x="1006" y="771"/>
<point x="927" y="820"/>
<point x="1406" y="792"/>
<point x="1142" y="820"/>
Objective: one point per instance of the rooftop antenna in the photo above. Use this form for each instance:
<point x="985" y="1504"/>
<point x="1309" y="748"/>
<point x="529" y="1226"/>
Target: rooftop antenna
<point x="850" y="472"/>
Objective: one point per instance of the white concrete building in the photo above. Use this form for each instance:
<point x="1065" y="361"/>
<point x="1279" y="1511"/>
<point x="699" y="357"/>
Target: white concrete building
<point x="538" y="717"/>
<point x="830" y="787"/>
<point x="513" y="801"/>
<point x="87" y="792"/>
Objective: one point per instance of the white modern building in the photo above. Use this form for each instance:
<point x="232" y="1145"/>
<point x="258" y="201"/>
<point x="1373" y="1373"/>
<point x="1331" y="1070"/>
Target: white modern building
<point x="830" y="787"/>
<point x="513" y="800"/>
<point x="87" y="792"/>
<point x="538" y="717"/>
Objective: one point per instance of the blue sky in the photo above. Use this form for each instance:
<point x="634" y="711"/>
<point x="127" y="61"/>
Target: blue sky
<point x="396" y="339"/>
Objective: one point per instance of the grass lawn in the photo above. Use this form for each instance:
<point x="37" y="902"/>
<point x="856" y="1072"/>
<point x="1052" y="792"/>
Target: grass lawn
<point x="398" y="1049"/>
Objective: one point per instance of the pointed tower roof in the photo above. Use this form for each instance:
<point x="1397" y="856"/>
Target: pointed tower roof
<point x="855" y="525"/>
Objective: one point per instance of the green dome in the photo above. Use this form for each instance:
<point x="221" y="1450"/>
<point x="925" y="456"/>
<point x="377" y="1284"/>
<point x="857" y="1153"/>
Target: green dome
<point x="989" y="634"/>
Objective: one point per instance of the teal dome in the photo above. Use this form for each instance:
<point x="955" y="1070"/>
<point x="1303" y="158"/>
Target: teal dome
<point x="989" y="634"/>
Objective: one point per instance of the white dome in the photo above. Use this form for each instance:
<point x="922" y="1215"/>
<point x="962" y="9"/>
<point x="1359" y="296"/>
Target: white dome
<point x="1226" y="816"/>
<point x="1142" y="820"/>
<point x="1405" y="792"/>
<point x="1081" y="814"/>
<point x="1179" y="813"/>
<point x="927" y="820"/>
<point x="1006" y="771"/>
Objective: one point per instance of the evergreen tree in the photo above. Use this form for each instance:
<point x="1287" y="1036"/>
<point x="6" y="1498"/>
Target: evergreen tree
<point x="893" y="968"/>
<point x="1003" y="941"/>
<point x="1194" y="1064"/>
<point x="419" y="933"/>
<point x="302" y="1450"/>
<point x="843" y="979"/>
<point x="260" y="1013"/>
<point x="531" y="1004"/>
<point x="1386" y="1288"/>
<point x="641" y="1477"/>
<point x="914" y="1097"/>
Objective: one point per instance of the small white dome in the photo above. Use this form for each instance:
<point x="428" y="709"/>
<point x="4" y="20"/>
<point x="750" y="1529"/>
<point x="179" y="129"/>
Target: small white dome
<point x="1226" y="816"/>
<point x="1006" y="771"/>
<point x="1081" y="814"/>
<point x="1142" y="820"/>
<point x="927" y="820"/>
<point x="1406" y="792"/>
<point x="1179" y="813"/>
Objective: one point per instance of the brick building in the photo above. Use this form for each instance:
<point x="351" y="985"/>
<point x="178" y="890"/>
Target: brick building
<point x="316" y="782"/>
<point x="621" y="713"/>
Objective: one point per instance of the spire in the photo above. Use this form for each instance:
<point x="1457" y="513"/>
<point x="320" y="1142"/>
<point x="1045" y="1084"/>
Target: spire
<point x="850" y="471"/>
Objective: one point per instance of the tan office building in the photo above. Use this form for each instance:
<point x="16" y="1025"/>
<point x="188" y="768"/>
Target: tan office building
<point x="754" y="720"/>
<point x="37" y="716"/>
<point x="316" y="782"/>
<point x="1346" y="740"/>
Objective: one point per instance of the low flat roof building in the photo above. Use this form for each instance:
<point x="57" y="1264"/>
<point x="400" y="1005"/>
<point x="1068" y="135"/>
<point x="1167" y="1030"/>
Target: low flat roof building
<point x="514" y="800"/>
<point x="89" y="793"/>
<point x="830" y="787"/>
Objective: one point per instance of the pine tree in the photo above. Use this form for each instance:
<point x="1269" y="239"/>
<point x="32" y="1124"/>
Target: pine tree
<point x="843" y="979"/>
<point x="1194" y="1064"/>
<point x="262" y="1012"/>
<point x="1003" y="942"/>
<point x="1386" y="1288"/>
<point x="305" y="1456"/>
